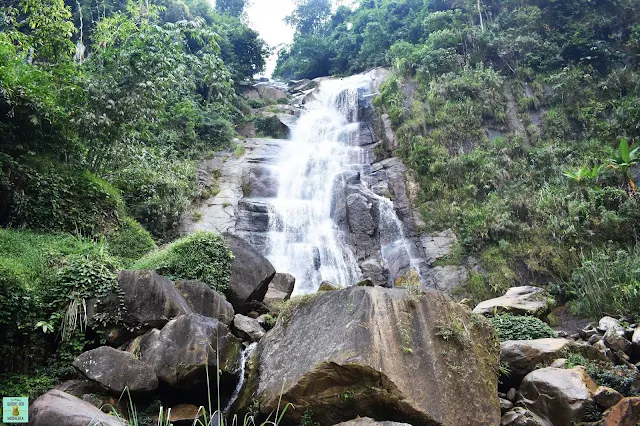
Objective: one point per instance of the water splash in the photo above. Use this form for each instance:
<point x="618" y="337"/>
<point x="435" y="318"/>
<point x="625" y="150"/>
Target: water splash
<point x="246" y="353"/>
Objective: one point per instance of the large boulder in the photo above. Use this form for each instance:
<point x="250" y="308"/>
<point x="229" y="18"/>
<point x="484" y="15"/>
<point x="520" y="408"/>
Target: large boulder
<point x="624" y="413"/>
<point x="397" y="355"/>
<point x="251" y="274"/>
<point x="181" y="352"/>
<point x="147" y="300"/>
<point x="58" y="408"/>
<point x="204" y="300"/>
<point x="248" y="328"/>
<point x="280" y="289"/>
<point x="117" y="370"/>
<point x="367" y="421"/>
<point x="558" y="396"/>
<point x="525" y="300"/>
<point x="523" y="356"/>
<point x="269" y="93"/>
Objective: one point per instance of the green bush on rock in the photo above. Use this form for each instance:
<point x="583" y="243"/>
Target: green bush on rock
<point x="201" y="256"/>
<point x="513" y="327"/>
<point x="130" y="241"/>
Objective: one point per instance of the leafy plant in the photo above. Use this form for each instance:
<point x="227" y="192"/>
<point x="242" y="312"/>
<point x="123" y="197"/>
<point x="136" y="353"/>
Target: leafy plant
<point x="200" y="256"/>
<point x="515" y="327"/>
<point x="624" y="159"/>
<point x="583" y="174"/>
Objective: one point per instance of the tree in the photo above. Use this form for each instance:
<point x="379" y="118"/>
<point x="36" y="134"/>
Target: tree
<point x="231" y="7"/>
<point x="310" y="16"/>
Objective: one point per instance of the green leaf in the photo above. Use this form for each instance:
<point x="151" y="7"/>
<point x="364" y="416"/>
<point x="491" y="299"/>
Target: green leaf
<point x="623" y="149"/>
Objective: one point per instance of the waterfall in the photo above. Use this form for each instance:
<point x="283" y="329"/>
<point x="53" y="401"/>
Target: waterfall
<point x="304" y="238"/>
<point x="246" y="353"/>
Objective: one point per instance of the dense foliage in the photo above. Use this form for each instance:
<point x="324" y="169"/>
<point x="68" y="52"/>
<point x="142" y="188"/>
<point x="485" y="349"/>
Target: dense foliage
<point x="517" y="327"/>
<point x="105" y="108"/>
<point x="129" y="92"/>
<point x="200" y="256"/>
<point x="521" y="121"/>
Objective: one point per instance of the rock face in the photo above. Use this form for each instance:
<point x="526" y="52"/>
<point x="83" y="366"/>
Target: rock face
<point x="203" y="300"/>
<point x="251" y="274"/>
<point x="270" y="93"/>
<point x="385" y="349"/>
<point x="522" y="356"/>
<point x="180" y="352"/>
<point x="116" y="370"/>
<point x="624" y="413"/>
<point x="59" y="408"/>
<point x="150" y="301"/>
<point x="560" y="397"/>
<point x="525" y="300"/>
<point x="280" y="288"/>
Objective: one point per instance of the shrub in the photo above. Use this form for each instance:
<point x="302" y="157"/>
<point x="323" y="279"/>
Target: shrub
<point x="619" y="377"/>
<point x="47" y="195"/>
<point x="130" y="240"/>
<point x="607" y="281"/>
<point x="513" y="327"/>
<point x="256" y="103"/>
<point x="201" y="256"/>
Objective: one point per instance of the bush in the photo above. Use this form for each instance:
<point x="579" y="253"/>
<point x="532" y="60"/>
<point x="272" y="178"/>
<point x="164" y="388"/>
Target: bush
<point x="47" y="195"/>
<point x="201" y="256"/>
<point x="513" y="327"/>
<point x="607" y="281"/>
<point x="157" y="188"/>
<point x="256" y="103"/>
<point x="130" y="240"/>
<point x="618" y="377"/>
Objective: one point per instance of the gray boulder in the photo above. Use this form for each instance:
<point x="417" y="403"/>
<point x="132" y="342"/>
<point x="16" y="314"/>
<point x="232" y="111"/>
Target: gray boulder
<point x="560" y="397"/>
<point x="117" y="370"/>
<point x="367" y="421"/>
<point x="605" y="397"/>
<point x="204" y="300"/>
<point x="150" y="301"/>
<point x="448" y="278"/>
<point x="616" y="342"/>
<point x="609" y="323"/>
<point x="248" y="328"/>
<point x="392" y="352"/>
<point x="58" y="408"/>
<point x="182" y="350"/>
<point x="525" y="300"/>
<point x="270" y="93"/>
<point x="521" y="417"/>
<point x="523" y="356"/>
<point x="251" y="274"/>
<point x="280" y="288"/>
<point x="438" y="245"/>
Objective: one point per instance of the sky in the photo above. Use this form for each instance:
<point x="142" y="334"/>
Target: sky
<point x="267" y="17"/>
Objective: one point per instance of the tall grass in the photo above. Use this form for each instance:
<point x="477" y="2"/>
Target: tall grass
<point x="606" y="282"/>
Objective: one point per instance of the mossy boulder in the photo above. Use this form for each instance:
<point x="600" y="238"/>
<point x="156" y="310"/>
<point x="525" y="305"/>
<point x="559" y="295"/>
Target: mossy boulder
<point x="388" y="354"/>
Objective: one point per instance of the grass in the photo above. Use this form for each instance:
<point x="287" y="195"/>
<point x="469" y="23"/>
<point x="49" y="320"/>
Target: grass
<point x="239" y="150"/>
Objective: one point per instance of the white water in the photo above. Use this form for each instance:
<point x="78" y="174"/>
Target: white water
<point x="246" y="353"/>
<point x="303" y="239"/>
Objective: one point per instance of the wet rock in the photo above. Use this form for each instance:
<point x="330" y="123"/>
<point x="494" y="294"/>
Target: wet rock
<point x="624" y="413"/>
<point x="558" y="396"/>
<point x="367" y="421"/>
<point x="248" y="328"/>
<point x="525" y="300"/>
<point x="605" y="397"/>
<point x="521" y="417"/>
<point x="523" y="356"/>
<point x="203" y="300"/>
<point x="117" y="370"/>
<point x="372" y="269"/>
<point x="362" y="347"/>
<point x="59" y="408"/>
<point x="251" y="274"/>
<point x="181" y="351"/>
<point x="149" y="299"/>
<point x="260" y="181"/>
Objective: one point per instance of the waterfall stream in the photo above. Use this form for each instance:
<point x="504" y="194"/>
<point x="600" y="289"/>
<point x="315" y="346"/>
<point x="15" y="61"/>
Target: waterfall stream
<point x="304" y="238"/>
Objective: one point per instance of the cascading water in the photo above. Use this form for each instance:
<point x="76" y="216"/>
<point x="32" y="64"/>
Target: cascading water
<point x="246" y="353"/>
<point x="303" y="237"/>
